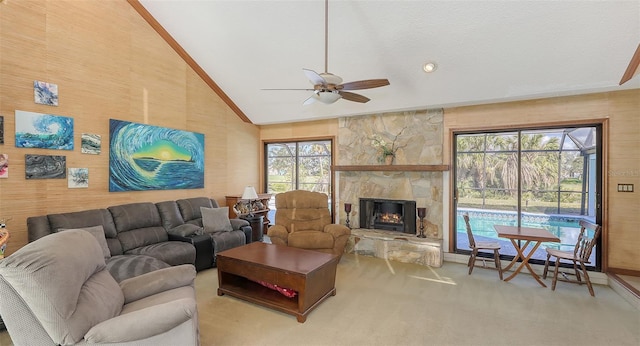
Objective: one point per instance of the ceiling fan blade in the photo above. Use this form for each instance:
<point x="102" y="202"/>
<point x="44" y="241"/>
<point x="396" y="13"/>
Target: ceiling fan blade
<point x="363" y="84"/>
<point x="349" y="96"/>
<point x="632" y="69"/>
<point x="314" y="77"/>
<point x="290" y="89"/>
<point x="310" y="100"/>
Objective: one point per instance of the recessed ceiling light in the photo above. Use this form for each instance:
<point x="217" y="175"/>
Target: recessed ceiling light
<point x="429" y="67"/>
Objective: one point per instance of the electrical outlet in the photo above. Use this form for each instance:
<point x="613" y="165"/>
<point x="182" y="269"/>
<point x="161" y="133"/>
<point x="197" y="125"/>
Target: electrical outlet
<point x="625" y="187"/>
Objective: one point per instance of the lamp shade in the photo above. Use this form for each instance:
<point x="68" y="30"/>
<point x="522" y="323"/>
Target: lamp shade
<point x="328" y="97"/>
<point x="249" y="193"/>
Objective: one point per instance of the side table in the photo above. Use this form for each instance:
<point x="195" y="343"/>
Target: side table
<point x="257" y="225"/>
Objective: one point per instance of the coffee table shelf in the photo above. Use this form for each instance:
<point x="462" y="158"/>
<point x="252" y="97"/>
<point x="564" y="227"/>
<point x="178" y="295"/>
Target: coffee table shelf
<point x="311" y="274"/>
<point x="240" y="287"/>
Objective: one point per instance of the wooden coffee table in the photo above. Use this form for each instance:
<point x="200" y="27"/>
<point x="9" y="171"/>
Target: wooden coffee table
<point x="311" y="273"/>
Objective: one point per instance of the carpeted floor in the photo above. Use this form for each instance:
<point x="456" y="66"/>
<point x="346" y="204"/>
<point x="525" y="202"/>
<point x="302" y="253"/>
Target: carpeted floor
<point x="381" y="302"/>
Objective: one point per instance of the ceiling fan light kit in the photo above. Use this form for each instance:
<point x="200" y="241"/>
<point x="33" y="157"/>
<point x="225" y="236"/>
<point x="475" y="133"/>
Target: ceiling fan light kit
<point x="328" y="97"/>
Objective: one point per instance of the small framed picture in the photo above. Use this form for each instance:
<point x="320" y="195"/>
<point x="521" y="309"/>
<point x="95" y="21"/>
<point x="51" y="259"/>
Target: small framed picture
<point x="45" y="166"/>
<point x="45" y="93"/>
<point x="91" y="143"/>
<point x="4" y="165"/>
<point x="78" y="178"/>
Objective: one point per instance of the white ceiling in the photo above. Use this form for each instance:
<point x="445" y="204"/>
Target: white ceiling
<point x="486" y="51"/>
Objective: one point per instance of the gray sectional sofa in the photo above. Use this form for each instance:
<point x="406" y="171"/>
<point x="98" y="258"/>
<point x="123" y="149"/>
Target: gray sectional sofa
<point x="144" y="237"/>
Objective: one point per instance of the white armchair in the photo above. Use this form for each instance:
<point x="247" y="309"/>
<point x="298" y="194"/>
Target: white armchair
<point x="57" y="291"/>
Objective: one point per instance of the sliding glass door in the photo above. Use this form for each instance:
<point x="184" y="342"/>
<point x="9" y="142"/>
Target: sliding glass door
<point x="547" y="178"/>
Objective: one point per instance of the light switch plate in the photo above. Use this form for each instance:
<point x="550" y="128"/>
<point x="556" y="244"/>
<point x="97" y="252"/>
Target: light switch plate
<point x="625" y="187"/>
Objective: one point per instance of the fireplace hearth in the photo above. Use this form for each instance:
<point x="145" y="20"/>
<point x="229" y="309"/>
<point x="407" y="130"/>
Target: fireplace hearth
<point x="388" y="214"/>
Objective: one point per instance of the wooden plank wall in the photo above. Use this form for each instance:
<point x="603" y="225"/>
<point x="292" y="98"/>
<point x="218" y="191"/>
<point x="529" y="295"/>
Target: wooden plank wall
<point x="108" y="63"/>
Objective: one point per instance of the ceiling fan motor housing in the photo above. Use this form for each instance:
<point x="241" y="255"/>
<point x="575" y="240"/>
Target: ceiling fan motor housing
<point x="330" y="78"/>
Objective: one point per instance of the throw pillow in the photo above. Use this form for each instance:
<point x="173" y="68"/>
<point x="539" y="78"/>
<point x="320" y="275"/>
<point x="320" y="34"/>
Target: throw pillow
<point x="98" y="233"/>
<point x="216" y="219"/>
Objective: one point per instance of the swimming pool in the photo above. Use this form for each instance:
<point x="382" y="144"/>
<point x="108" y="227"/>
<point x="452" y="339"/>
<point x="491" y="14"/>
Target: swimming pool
<point x="565" y="227"/>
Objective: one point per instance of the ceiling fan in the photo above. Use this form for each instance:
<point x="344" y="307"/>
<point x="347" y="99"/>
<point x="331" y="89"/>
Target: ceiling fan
<point x="327" y="87"/>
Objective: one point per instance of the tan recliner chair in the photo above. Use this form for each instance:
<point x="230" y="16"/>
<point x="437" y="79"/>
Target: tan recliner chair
<point x="57" y="291"/>
<point x="303" y="221"/>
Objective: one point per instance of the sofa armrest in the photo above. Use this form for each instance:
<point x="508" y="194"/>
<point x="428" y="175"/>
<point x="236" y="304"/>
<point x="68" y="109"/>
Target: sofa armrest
<point x="143" y="323"/>
<point x="238" y="223"/>
<point x="157" y="281"/>
<point x="248" y="234"/>
<point x="337" y="230"/>
<point x="278" y="234"/>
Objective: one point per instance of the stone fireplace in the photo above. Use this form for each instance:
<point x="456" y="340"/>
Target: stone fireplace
<point x="418" y="136"/>
<point x="388" y="214"/>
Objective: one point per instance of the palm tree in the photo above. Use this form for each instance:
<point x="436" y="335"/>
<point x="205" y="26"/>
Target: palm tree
<point x="491" y="160"/>
<point x="538" y="169"/>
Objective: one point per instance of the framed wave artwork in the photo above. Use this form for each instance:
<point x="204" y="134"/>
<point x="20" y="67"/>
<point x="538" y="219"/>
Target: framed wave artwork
<point x="145" y="157"/>
<point x="47" y="131"/>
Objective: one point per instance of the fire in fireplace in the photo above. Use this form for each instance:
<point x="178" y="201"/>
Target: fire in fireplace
<point x="387" y="214"/>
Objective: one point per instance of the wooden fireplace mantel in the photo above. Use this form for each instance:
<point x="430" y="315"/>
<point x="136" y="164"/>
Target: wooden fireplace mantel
<point x="394" y="168"/>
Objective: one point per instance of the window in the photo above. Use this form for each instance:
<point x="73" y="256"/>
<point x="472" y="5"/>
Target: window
<point x="303" y="165"/>
<point x="547" y="178"/>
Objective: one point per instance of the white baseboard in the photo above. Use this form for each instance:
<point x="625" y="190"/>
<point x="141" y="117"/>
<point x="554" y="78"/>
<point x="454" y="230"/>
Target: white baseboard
<point x="624" y="293"/>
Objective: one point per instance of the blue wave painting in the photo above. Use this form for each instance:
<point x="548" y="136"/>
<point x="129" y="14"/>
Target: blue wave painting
<point x="144" y="157"/>
<point x="35" y="130"/>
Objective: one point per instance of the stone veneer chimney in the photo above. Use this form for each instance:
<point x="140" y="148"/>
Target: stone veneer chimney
<point x="420" y="143"/>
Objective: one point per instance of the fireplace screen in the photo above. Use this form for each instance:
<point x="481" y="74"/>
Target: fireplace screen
<point x="386" y="214"/>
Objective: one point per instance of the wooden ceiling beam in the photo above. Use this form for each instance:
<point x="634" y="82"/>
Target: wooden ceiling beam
<point x="632" y="69"/>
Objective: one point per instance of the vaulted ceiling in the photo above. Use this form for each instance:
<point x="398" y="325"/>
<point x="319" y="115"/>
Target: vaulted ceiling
<point x="485" y="51"/>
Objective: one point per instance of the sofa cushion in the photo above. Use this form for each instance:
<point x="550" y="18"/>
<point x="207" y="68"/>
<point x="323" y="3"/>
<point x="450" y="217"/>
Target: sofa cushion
<point x="171" y="252"/>
<point x="311" y="240"/>
<point x="186" y="230"/>
<point x="88" y="218"/>
<point x="190" y="207"/>
<point x="98" y="233"/>
<point x="132" y="216"/>
<point x="142" y="237"/>
<point x="170" y="214"/>
<point x="216" y="219"/>
<point x="62" y="277"/>
<point x="138" y="224"/>
<point x="303" y="219"/>
<point x="159" y="281"/>
<point x="302" y="199"/>
<point x="123" y="267"/>
<point x="227" y="240"/>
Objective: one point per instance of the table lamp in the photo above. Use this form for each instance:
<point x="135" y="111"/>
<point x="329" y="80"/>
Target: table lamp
<point x="250" y="195"/>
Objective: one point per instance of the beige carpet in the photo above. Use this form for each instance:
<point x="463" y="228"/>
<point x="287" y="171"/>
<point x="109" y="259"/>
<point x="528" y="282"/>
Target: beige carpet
<point x="381" y="302"/>
<point x="391" y="303"/>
